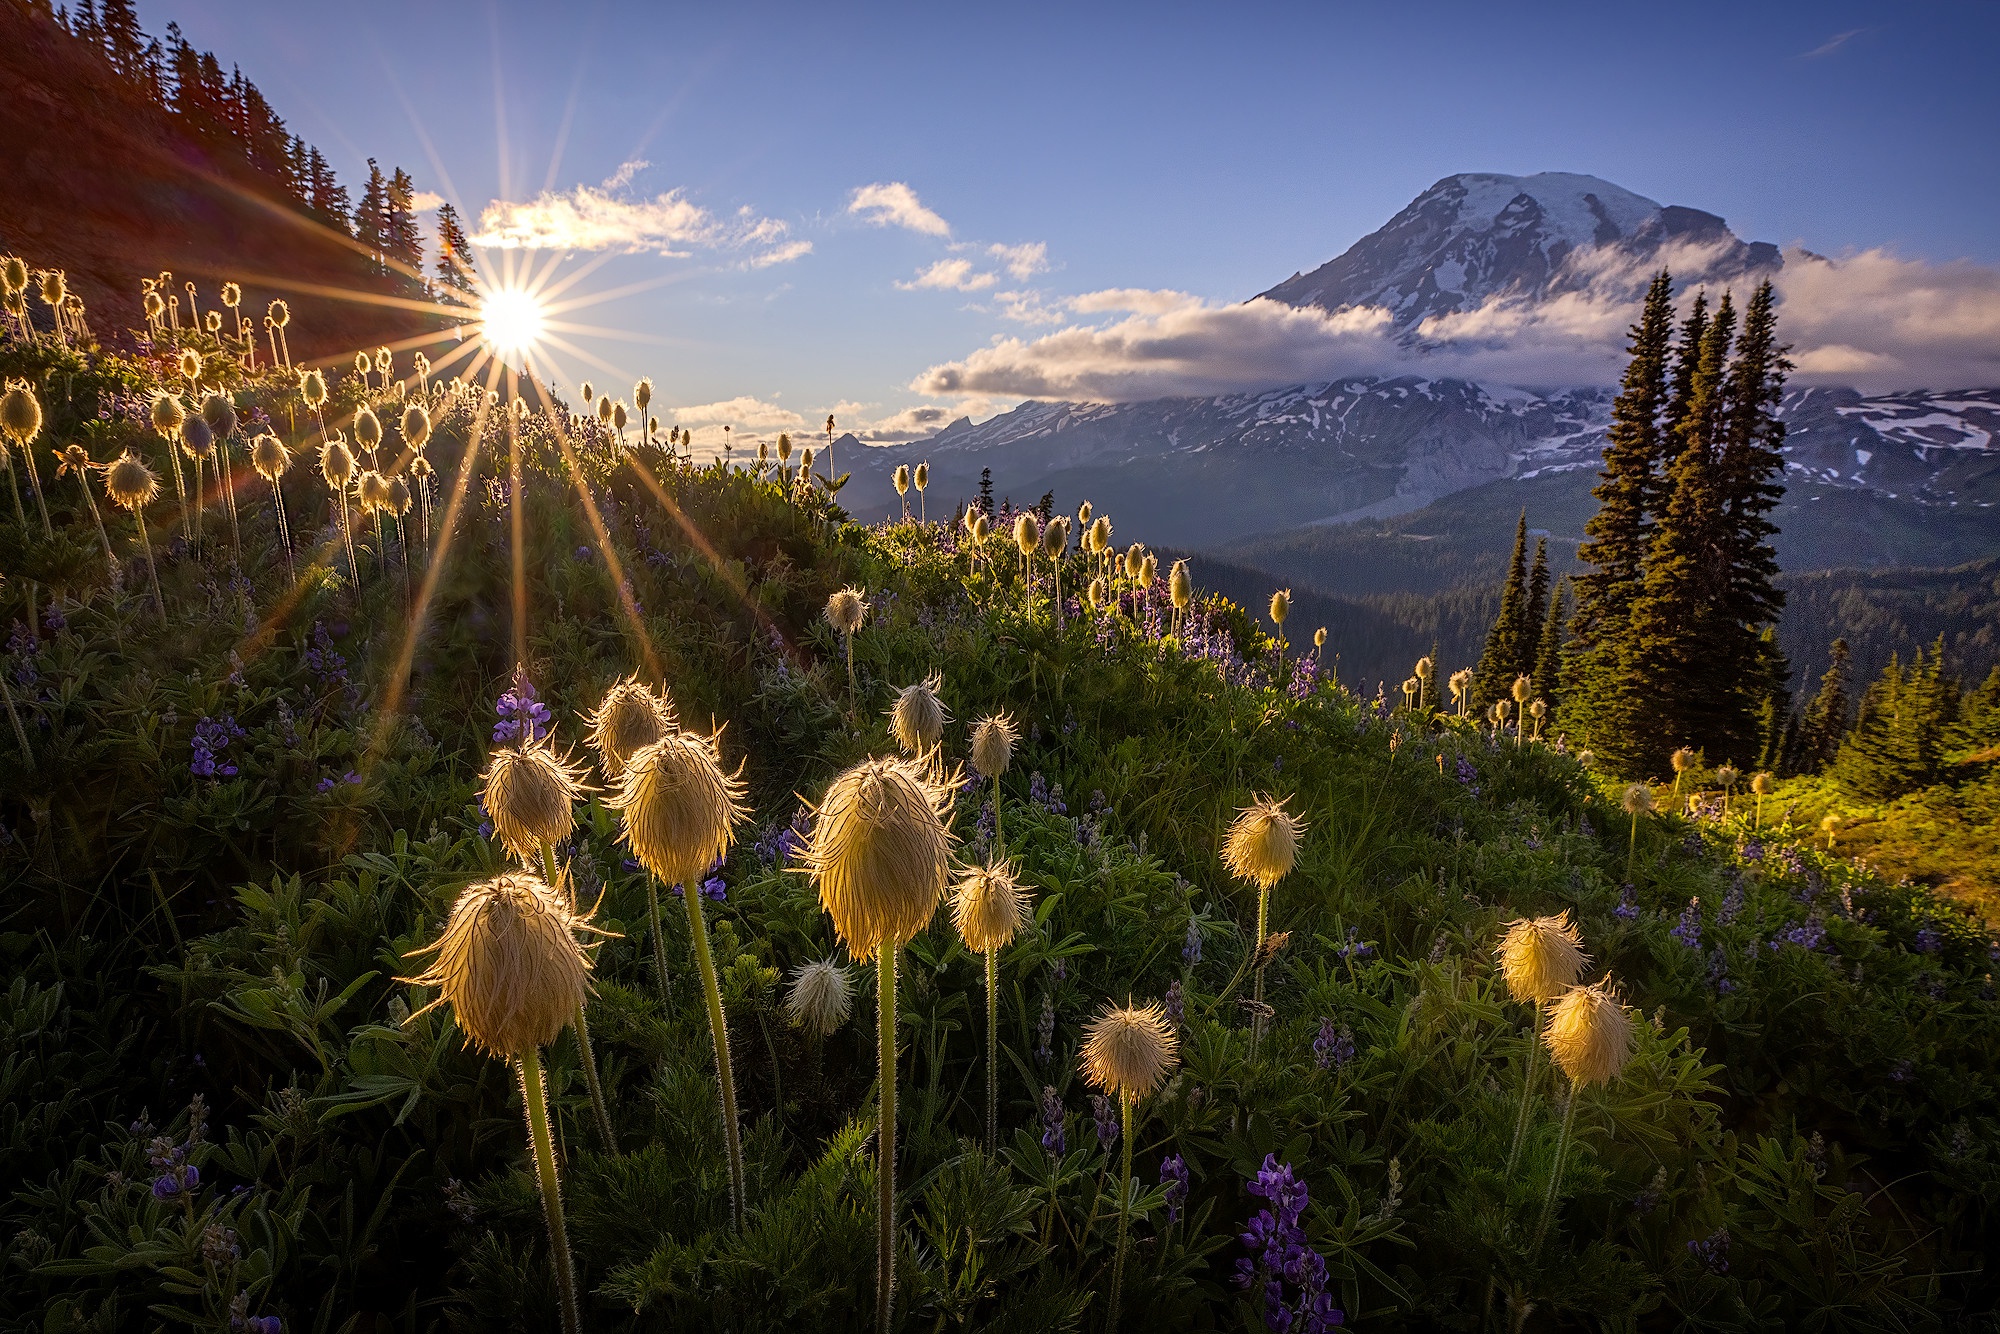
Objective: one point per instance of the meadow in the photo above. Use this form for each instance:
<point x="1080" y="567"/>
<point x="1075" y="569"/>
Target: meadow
<point x="1224" y="996"/>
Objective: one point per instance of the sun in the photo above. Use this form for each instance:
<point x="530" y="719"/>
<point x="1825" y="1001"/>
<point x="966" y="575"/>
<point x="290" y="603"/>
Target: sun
<point x="511" y="322"/>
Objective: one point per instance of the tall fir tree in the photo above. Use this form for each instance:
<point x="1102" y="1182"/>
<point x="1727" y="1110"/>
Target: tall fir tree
<point x="1538" y="607"/>
<point x="1548" y="669"/>
<point x="454" y="261"/>
<point x="1510" y="640"/>
<point x="1600" y="704"/>
<point x="402" y="242"/>
<point x="1752" y="469"/>
<point x="371" y="216"/>
<point x="1901" y="732"/>
<point x="1825" y="722"/>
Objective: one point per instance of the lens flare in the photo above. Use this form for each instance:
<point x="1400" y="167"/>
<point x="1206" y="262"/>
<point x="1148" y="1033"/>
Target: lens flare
<point x="511" y="322"/>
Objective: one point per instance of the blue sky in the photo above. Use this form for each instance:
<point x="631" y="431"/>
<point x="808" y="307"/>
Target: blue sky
<point x="1208" y="149"/>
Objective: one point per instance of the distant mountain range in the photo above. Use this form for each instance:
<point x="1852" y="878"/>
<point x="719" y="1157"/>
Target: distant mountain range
<point x="1199" y="472"/>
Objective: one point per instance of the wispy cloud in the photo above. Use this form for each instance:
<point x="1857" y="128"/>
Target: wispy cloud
<point x="1832" y="44"/>
<point x="426" y="201"/>
<point x="894" y="204"/>
<point x="1023" y="261"/>
<point x="598" y="217"/>
<point x="742" y="412"/>
<point x="950" y="275"/>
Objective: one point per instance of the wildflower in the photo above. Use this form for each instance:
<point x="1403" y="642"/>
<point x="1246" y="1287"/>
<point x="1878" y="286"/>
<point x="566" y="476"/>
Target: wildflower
<point x="1174" y="1176"/>
<point x="1045" y="1029"/>
<point x="1053" y="1139"/>
<point x="1711" y="1252"/>
<point x="821" y="997"/>
<point x="1628" y="904"/>
<point x="1107" y="1123"/>
<point x="1191" y="944"/>
<point x="1718" y="972"/>
<point x="1282" y="1259"/>
<point x="1334" y="1046"/>
<point x="1688" y="930"/>
<point x="1541" y="958"/>
<point x="520" y="712"/>
<point x="1175" y="1005"/>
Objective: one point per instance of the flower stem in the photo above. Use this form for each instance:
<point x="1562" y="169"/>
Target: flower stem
<point x="535" y="1103"/>
<point x="159" y="603"/>
<point x="718" y="1030"/>
<point x="659" y="937"/>
<point x="1124" y="1214"/>
<point x="1527" y="1092"/>
<point x="584" y="1049"/>
<point x="1257" y="948"/>
<point x="992" y="1051"/>
<point x="1556" y="1173"/>
<point x="885" y="1137"/>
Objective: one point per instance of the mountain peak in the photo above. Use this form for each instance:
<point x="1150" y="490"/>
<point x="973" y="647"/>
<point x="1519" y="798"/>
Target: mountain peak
<point x="1478" y="235"/>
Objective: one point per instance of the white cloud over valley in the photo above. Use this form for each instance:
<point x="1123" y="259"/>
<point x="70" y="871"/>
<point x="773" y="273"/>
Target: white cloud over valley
<point x="894" y="204"/>
<point x="602" y="217"/>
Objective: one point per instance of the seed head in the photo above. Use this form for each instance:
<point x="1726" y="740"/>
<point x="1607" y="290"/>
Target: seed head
<point x="529" y="795"/>
<point x="20" y="412"/>
<point x="129" y="482"/>
<point x="1129" y="1050"/>
<point x="1683" y="759"/>
<point x="190" y="365"/>
<point x="1281" y="607"/>
<point x="845" y="610"/>
<point x="1180" y="584"/>
<point x="681" y="807"/>
<point x="420" y="467"/>
<point x="1762" y="784"/>
<point x="14" y="275"/>
<point x="416" y="425"/>
<point x="922" y="476"/>
<point x="1099" y="594"/>
<point x="1426" y="669"/>
<point x="384" y="362"/>
<point x="993" y="739"/>
<point x="54" y="288"/>
<point x="1027" y="534"/>
<point x="982" y="528"/>
<point x="619" y="416"/>
<point x="312" y="389"/>
<point x="1460" y="681"/>
<point x="336" y="463"/>
<point x="1589" y="1033"/>
<point x="1055" y="537"/>
<point x="918" y="717"/>
<point x="1523" y="688"/>
<point x="1100" y="534"/>
<point x="588" y="391"/>
<point x="398" y="499"/>
<point x="1319" y="637"/>
<point x="1262" y="842"/>
<point x="220" y="414"/>
<point x="367" y="429"/>
<point x="1728" y="775"/>
<point x="509" y="965"/>
<point x="989" y="907"/>
<point x="373" y="490"/>
<point x="630" y="718"/>
<point x="1135" y="560"/>
<point x="1638" y="799"/>
<point x="1083" y="516"/>
<point x="1541" y="958"/>
<point x="902" y="479"/>
<point x="1149" y="571"/>
<point x="280" y="313"/>
<point x="821" y="998"/>
<point x="232" y="295"/>
<point x="197" y="441"/>
<point x="785" y="447"/>
<point x="1539" y="709"/>
<point x="880" y="852"/>
<point x="167" y="414"/>
<point x="154" y="305"/>
<point x="269" y="456"/>
<point x="642" y="393"/>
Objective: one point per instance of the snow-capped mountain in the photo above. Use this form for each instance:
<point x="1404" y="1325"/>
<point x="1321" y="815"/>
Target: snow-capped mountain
<point x="1200" y="471"/>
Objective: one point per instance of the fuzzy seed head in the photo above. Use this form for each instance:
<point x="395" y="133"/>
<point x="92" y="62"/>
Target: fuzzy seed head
<point x="197" y="441"/>
<point x="269" y="457"/>
<point x="1728" y="775"/>
<point x="993" y="739"/>
<point x="20" y="412"/>
<point x="530" y="796"/>
<point x="1638" y="799"/>
<point x="367" y="429"/>
<point x="312" y="389"/>
<point x="220" y="414"/>
<point x="420" y="467"/>
<point x="989" y="907"/>
<point x="1539" y="709"/>
<point x="54" y="288"/>
<point x="416" y="425"/>
<point x="1055" y="537"/>
<point x="1099" y="594"/>
<point x="1129" y="1050"/>
<point x="1541" y="958"/>
<point x="167" y="415"/>
<point x="922" y="476"/>
<point x="280" y="313"/>
<point x="845" y="609"/>
<point x="1460" y="681"/>
<point x="785" y="448"/>
<point x="880" y="852"/>
<point x="1180" y="584"/>
<point x="1027" y="534"/>
<point x="642" y="393"/>
<point x="1426" y="669"/>
<point x="918" y="717"/>
<point x="336" y="463"/>
<point x="589" y="392"/>
<point x="902" y="478"/>
<point x="232" y="295"/>
<point x="1762" y="784"/>
<point x="1683" y="759"/>
<point x="1262" y="842"/>
<point x="384" y="362"/>
<point x="1083" y="516"/>
<point x="982" y="528"/>
<point x="14" y="276"/>
<point x="1829" y="824"/>
<point x="619" y="416"/>
<point x="373" y="489"/>
<point x="509" y="965"/>
<point x="1100" y="534"/>
<point x="1281" y="607"/>
<point x="129" y="482"/>
<point x="1319" y="637"/>
<point x="154" y="306"/>
<point x="1589" y="1033"/>
<point x="681" y="806"/>
<point x="1135" y="560"/>
<point x="1149" y="571"/>
<point x="820" y="999"/>
<point x="1523" y="689"/>
<point x="190" y="365"/>
<point x="398" y="499"/>
<point x="630" y="719"/>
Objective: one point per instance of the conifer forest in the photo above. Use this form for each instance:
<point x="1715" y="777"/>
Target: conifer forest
<point x="473" y="860"/>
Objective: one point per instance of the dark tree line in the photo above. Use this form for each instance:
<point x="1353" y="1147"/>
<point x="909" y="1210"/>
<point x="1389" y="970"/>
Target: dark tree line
<point x="1903" y="732"/>
<point x="229" y="116"/>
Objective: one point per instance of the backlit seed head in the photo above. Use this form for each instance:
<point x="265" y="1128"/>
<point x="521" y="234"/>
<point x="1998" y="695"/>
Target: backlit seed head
<point x="509" y="965"/>
<point x="75" y="459"/>
<point x="54" y="288"/>
<point x="156" y="308"/>
<point x="1523" y="688"/>
<point x="1589" y="1033"/>
<point x="362" y="363"/>
<point x="1762" y="784"/>
<point x="167" y="415"/>
<point x="1129" y="1050"/>
<point x="1728" y="775"/>
<point x="1083" y="516"/>
<point x="1638" y="799"/>
<point x="530" y="795"/>
<point x="922" y="477"/>
<point x="901" y="477"/>
<point x="373" y="490"/>
<point x="1135" y="560"/>
<point x="129" y="482"/>
<point x="1541" y="958"/>
<point x="1099" y="594"/>
<point x="1319" y="637"/>
<point x="619" y="416"/>
<point x="416" y="425"/>
<point x="642" y="393"/>
<point x="845" y="609"/>
<point x="1460" y="681"/>
<point x="989" y="906"/>
<point x="1281" y="607"/>
<point x="14" y="275"/>
<point x="1100" y="534"/>
<point x="420" y="467"/>
<point x="880" y="852"/>
<point x="1830" y="823"/>
<point x="1149" y="571"/>
<point x="1262" y="842"/>
<point x="190" y="365"/>
<point x="220" y="414"/>
<point x="20" y="412"/>
<point x="1539" y="709"/>
<point x="918" y="717"/>
<point x="312" y="389"/>
<point x="630" y="718"/>
<point x="269" y="457"/>
<point x="398" y="500"/>
<point x="993" y="740"/>
<point x="384" y="361"/>
<point x="1683" y="759"/>
<point x="367" y="429"/>
<point x="212" y="321"/>
<point x="588" y="391"/>
<point x="1426" y="669"/>
<point x="820" y="998"/>
<point x="232" y="295"/>
<point x="197" y="441"/>
<point x="784" y="447"/>
<point x="681" y="807"/>
<point x="982" y="528"/>
<point x="336" y="463"/>
<point x="1180" y="585"/>
<point x="280" y="313"/>
<point x="1055" y="537"/>
<point x="1027" y="534"/>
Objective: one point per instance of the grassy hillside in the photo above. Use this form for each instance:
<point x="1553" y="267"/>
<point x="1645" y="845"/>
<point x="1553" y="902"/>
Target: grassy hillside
<point x="226" y="830"/>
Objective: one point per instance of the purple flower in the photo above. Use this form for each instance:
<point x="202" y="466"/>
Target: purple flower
<point x="1628" y="904"/>
<point x="1052" y="1122"/>
<point x="1191" y="944"/>
<point x="1334" y="1046"/>
<point x="1045" y="1029"/>
<point x="1282" y="1258"/>
<point x="1718" y="972"/>
<point x="714" y="890"/>
<point x="1712" y="1251"/>
<point x="1174" y="1176"/>
<point x="1688" y="931"/>
<point x="1752" y="850"/>
<point x="518" y="710"/>
<point x="1175" y="1005"/>
<point x="1929" y="940"/>
<point x="1107" y="1123"/>
<point x="1355" y="949"/>
<point x="1809" y="936"/>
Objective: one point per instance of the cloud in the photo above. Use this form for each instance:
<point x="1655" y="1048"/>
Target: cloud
<point x="426" y="201"/>
<point x="950" y="275"/>
<point x="1023" y="261"/>
<point x="622" y="177"/>
<point x="1029" y="308"/>
<point x="742" y="412"/>
<point x="1871" y="320"/>
<point x="892" y="203"/>
<point x="1832" y="44"/>
<point x="597" y="217"/>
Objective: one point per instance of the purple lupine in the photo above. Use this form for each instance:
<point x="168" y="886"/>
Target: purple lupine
<point x="1053" y="1138"/>
<point x="520" y="712"/>
<point x="1281" y="1257"/>
<point x="1718" y="972"/>
<point x="1732" y="902"/>
<point x="1628" y="904"/>
<point x="1688" y="930"/>
<point x="1107" y="1121"/>
<point x="1712" y="1251"/>
<point x="1333" y="1047"/>
<point x="1467" y="775"/>
<point x="1808" y="935"/>
<point x="1929" y="940"/>
<point x="211" y="738"/>
<point x="1752" y="850"/>
<point x="1305" y="680"/>
<point x="1176" y="1004"/>
<point x="1355" y="949"/>
<point x="1191" y="943"/>
<point x="1174" y="1176"/>
<point x="1045" y="1029"/>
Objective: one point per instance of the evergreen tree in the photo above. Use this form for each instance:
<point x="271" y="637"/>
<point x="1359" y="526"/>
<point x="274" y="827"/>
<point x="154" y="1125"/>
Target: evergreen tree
<point x="1549" y="649"/>
<point x="454" y="262"/>
<point x="1824" y="725"/>
<point x="1752" y="469"/>
<point x="124" y="41"/>
<point x="402" y="242"/>
<point x="1901" y="732"/>
<point x="1509" y="642"/>
<point x="371" y="216"/>
<point x="1538" y="607"/>
<point x="986" y="491"/>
